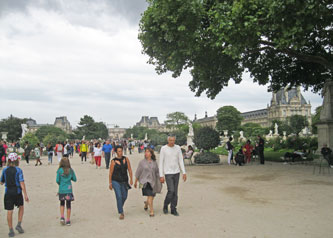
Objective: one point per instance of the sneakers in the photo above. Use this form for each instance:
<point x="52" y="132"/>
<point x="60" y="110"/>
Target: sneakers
<point x="68" y="223"/>
<point x="62" y="221"/>
<point x="11" y="233"/>
<point x="122" y="216"/>
<point x="19" y="229"/>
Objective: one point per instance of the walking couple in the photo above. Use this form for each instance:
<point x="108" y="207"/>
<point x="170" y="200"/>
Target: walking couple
<point x="149" y="176"/>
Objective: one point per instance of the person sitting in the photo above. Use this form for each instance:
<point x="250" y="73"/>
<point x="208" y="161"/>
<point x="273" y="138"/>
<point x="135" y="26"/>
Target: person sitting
<point x="327" y="154"/>
<point x="239" y="158"/>
<point x="188" y="154"/>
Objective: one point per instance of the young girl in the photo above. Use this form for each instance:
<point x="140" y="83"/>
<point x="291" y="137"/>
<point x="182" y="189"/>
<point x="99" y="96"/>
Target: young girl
<point x="65" y="176"/>
<point x="37" y="154"/>
<point x="98" y="155"/>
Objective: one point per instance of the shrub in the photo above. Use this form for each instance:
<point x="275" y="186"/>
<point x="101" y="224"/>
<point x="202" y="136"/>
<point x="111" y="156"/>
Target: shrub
<point x="206" y="158"/>
<point x="158" y="139"/>
<point x="206" y="138"/>
<point x="31" y="138"/>
<point x="181" y="137"/>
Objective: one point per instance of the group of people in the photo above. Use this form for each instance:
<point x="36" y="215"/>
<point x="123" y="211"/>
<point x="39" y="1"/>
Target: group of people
<point x="149" y="176"/>
<point x="246" y="152"/>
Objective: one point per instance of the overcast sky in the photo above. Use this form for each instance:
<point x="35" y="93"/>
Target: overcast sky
<point x="83" y="57"/>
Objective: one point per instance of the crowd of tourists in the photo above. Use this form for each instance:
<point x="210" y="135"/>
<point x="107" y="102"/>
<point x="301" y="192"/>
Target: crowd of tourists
<point x="149" y="176"/>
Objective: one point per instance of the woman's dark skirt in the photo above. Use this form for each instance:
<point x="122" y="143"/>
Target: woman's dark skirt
<point x="147" y="190"/>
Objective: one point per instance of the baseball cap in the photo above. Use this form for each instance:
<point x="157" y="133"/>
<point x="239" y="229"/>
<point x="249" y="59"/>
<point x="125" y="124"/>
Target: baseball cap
<point x="12" y="156"/>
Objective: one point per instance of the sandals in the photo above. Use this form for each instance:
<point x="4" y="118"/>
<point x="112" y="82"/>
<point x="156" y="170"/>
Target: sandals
<point x="145" y="206"/>
<point x="151" y="215"/>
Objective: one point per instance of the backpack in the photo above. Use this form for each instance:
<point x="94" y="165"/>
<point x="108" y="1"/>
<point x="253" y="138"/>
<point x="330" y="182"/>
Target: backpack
<point x="68" y="148"/>
<point x="59" y="148"/>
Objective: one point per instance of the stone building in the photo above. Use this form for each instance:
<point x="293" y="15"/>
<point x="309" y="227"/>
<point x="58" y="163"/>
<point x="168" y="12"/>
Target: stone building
<point x="63" y="123"/>
<point x="116" y="133"/>
<point x="284" y="103"/>
<point x="152" y="123"/>
<point x="60" y="122"/>
<point x="206" y="121"/>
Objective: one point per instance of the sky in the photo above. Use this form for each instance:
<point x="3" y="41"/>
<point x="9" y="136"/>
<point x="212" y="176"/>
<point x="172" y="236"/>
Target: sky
<point x="83" y="57"/>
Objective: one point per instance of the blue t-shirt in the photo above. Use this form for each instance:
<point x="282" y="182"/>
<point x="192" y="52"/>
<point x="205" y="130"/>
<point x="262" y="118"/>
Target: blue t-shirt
<point x="107" y="148"/>
<point x="11" y="177"/>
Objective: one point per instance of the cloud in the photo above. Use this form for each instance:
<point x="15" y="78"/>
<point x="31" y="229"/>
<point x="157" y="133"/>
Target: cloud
<point x="76" y="58"/>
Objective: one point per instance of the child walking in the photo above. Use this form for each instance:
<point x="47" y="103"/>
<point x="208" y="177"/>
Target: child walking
<point x="37" y="154"/>
<point x="65" y="176"/>
<point x="12" y="177"/>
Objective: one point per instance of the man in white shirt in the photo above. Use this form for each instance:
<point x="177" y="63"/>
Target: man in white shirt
<point x="171" y="162"/>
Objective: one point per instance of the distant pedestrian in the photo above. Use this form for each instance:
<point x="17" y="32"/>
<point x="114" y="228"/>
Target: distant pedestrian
<point x="239" y="158"/>
<point x="83" y="150"/>
<point x="49" y="149"/>
<point x="12" y="177"/>
<point x="118" y="179"/>
<point x="230" y="148"/>
<point x="171" y="162"/>
<point x="2" y="155"/>
<point x="261" y="146"/>
<point x="37" y="154"/>
<point x="148" y="175"/>
<point x="97" y="153"/>
<point x="327" y="154"/>
<point x="67" y="149"/>
<point x="59" y="150"/>
<point x="27" y="150"/>
<point x="65" y="176"/>
<point x="107" y="148"/>
<point x="248" y="148"/>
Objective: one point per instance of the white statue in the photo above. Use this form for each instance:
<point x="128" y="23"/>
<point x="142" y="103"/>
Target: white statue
<point x="276" y="132"/>
<point x="241" y="134"/>
<point x="132" y="136"/>
<point x="305" y="131"/>
<point x="270" y="133"/>
<point x="24" y="129"/>
<point x="146" y="136"/>
<point x="190" y="130"/>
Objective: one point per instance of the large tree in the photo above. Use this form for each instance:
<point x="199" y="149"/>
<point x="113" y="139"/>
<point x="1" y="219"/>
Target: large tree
<point x="297" y="123"/>
<point x="279" y="42"/>
<point x="228" y="118"/>
<point x="90" y="129"/>
<point x="176" y="119"/>
<point x="12" y="125"/>
<point x="50" y="130"/>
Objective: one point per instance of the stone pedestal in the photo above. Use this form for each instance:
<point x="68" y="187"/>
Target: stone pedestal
<point x="325" y="126"/>
<point x="189" y="140"/>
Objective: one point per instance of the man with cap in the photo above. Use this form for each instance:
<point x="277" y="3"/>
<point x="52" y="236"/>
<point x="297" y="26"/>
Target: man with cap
<point x="12" y="177"/>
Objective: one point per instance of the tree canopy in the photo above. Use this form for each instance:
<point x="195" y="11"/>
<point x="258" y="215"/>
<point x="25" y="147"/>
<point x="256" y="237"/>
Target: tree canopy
<point x="279" y="42"/>
<point x="12" y="125"/>
<point x="228" y="118"/>
<point x="90" y="129"/>
<point x="50" y="130"/>
<point x="176" y="119"/>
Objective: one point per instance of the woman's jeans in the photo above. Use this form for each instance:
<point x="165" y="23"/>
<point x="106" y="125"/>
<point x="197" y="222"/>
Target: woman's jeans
<point x="50" y="155"/>
<point x="120" y="189"/>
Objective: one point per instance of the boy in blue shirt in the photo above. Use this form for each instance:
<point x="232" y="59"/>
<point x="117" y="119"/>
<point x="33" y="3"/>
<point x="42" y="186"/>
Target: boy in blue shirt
<point x="12" y="177"/>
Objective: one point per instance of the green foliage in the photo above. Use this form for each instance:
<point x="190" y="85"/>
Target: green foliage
<point x="91" y="129"/>
<point x="252" y="130"/>
<point x="181" y="137"/>
<point x="206" y="158"/>
<point x="53" y="139"/>
<point x="206" y="138"/>
<point x="228" y="118"/>
<point x="283" y="126"/>
<point x="31" y="138"/>
<point x="139" y="132"/>
<point x="159" y="139"/>
<point x="297" y="123"/>
<point x="176" y="120"/>
<point x="279" y="42"/>
<point x="49" y="130"/>
<point x="316" y="119"/>
<point x="12" y="125"/>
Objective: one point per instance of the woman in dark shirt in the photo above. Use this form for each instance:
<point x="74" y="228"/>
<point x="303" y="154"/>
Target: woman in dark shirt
<point x="49" y="150"/>
<point x="118" y="179"/>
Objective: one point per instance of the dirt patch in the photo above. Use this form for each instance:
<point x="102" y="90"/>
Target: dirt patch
<point x="316" y="182"/>
<point x="243" y="194"/>
<point x="265" y="177"/>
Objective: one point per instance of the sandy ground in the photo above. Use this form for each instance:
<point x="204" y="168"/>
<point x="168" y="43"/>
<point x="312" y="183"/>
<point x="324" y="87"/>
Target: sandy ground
<point x="271" y="200"/>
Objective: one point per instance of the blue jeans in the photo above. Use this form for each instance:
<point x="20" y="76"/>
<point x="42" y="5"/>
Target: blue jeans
<point x="121" y="191"/>
<point x="50" y="155"/>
